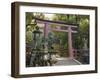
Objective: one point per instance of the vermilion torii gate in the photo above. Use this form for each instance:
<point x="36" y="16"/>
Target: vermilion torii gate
<point x="61" y="27"/>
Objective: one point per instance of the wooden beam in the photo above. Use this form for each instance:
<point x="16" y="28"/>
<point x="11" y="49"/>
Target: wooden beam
<point x="58" y="24"/>
<point x="63" y="30"/>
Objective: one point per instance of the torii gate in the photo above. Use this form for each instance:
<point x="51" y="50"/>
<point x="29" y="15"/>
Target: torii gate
<point x="58" y="28"/>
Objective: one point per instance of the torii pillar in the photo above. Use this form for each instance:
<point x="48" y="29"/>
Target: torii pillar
<point x="46" y="30"/>
<point x="46" y="36"/>
<point x="70" y="48"/>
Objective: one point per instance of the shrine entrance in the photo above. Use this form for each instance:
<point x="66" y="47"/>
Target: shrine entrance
<point x="58" y="27"/>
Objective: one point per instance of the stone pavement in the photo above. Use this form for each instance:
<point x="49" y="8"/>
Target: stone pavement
<point x="67" y="61"/>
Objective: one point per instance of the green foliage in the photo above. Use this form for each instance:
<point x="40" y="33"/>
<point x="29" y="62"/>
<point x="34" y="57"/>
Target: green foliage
<point x="29" y="16"/>
<point x="28" y="36"/>
<point x="30" y="24"/>
<point x="83" y="31"/>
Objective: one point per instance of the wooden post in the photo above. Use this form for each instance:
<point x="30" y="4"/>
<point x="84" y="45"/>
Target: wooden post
<point x="46" y="29"/>
<point x="70" y="49"/>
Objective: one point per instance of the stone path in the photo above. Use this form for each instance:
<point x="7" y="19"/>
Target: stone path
<point x="66" y="61"/>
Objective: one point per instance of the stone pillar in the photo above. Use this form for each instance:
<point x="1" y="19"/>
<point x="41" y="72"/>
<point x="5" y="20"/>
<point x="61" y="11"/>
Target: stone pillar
<point x="70" y="49"/>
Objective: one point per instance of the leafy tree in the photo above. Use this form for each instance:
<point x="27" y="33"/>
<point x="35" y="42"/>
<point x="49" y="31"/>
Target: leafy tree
<point x="30" y="24"/>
